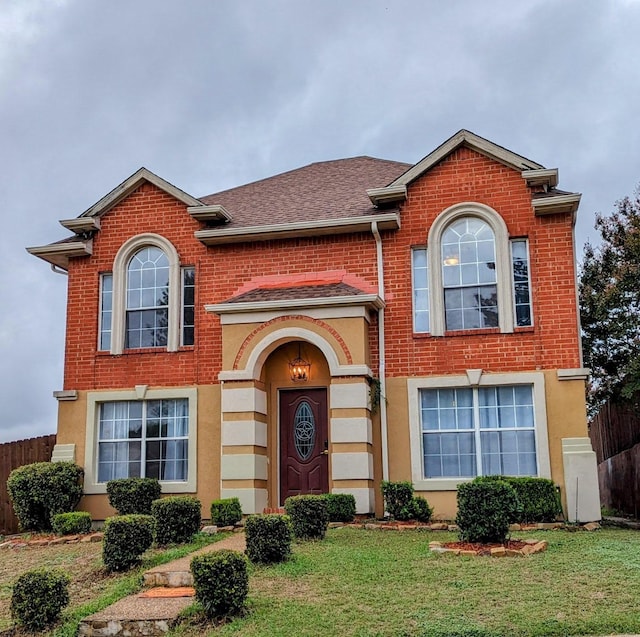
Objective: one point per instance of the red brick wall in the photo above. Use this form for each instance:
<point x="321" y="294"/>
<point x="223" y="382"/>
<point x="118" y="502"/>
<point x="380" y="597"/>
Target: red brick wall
<point x="221" y="271"/>
<point x="552" y="343"/>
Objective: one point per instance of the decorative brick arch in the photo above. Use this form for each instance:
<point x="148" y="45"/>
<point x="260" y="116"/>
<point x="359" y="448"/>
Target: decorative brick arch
<point x="288" y="319"/>
<point x="256" y="348"/>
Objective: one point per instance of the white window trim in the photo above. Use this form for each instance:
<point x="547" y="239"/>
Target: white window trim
<point x="503" y="263"/>
<point x="119" y="305"/>
<point x="413" y="291"/>
<point x="513" y="294"/>
<point x="414" y="385"/>
<point x="94" y="399"/>
<point x="101" y="301"/>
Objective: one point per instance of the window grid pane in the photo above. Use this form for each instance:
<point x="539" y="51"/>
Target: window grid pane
<point x="420" y="279"/>
<point x="160" y="428"/>
<point x="147" y="299"/>
<point x="521" y="283"/>
<point x="188" y="305"/>
<point x="468" y="254"/>
<point x="500" y="419"/>
<point x="106" y="310"/>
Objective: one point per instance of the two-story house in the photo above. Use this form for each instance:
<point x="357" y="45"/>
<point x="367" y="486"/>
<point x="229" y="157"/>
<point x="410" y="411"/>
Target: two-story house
<point x="328" y="328"/>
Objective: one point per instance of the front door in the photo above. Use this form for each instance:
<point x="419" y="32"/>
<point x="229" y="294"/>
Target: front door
<point x="304" y="455"/>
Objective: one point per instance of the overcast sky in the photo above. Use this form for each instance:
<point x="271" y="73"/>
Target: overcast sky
<point x="213" y="94"/>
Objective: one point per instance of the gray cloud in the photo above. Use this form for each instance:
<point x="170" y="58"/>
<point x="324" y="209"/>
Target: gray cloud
<point x="215" y="94"/>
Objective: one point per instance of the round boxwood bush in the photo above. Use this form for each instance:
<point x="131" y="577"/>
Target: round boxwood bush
<point x="71" y="523"/>
<point x="177" y="519"/>
<point x="126" y="538"/>
<point x="38" y="597"/>
<point x="268" y="538"/>
<point x="40" y="490"/>
<point x="221" y="582"/>
<point x="398" y="498"/>
<point x="485" y="510"/>
<point x="420" y="509"/>
<point x="341" y="507"/>
<point x="133" y="495"/>
<point x="226" y="512"/>
<point x="308" y="515"/>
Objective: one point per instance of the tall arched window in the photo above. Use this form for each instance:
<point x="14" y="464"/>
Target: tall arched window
<point x="148" y="301"/>
<point x="147" y="308"/>
<point x="469" y="270"/>
<point x="468" y="250"/>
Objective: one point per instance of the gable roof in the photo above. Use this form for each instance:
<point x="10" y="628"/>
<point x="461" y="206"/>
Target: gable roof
<point x="320" y="191"/>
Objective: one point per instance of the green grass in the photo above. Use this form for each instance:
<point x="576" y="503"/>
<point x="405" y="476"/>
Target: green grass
<point x="366" y="583"/>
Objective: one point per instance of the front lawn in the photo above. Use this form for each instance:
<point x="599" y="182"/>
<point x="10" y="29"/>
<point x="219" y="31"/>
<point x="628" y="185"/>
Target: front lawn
<point x="389" y="583"/>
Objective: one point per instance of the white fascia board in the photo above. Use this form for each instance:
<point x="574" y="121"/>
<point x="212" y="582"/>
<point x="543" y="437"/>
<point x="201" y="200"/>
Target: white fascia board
<point x="209" y="213"/>
<point x="388" y="194"/>
<point x="121" y="191"/>
<point x="473" y="141"/>
<point x="59" y="253"/>
<point x="261" y="306"/>
<point x="81" y="224"/>
<point x="542" y="177"/>
<point x="218" y="236"/>
<point x="556" y="205"/>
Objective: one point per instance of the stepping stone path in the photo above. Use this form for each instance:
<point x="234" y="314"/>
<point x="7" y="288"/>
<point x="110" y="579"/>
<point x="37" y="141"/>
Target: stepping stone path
<point x="155" y="610"/>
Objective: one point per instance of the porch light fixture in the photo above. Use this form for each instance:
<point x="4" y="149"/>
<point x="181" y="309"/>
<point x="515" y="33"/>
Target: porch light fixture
<point x="299" y="368"/>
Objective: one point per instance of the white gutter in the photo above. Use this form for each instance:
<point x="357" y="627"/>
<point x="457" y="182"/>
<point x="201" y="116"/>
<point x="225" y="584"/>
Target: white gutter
<point x="381" y="353"/>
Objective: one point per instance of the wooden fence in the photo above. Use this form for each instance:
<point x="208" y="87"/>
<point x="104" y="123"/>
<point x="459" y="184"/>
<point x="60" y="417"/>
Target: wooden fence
<point x="12" y="456"/>
<point x="615" y="429"/>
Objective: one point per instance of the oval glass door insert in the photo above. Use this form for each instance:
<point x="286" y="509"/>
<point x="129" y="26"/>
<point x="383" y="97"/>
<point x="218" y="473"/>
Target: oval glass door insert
<point x="304" y="430"/>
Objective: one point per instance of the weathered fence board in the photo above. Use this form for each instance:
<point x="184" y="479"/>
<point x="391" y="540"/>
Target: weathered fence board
<point x="616" y="428"/>
<point x="619" y="480"/>
<point x="14" y="455"/>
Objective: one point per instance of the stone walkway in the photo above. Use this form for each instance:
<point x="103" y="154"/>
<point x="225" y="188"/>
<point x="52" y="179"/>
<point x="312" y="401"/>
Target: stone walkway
<point x="154" y="610"/>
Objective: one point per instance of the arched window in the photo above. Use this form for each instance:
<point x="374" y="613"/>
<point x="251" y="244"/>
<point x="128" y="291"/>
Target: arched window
<point x="468" y="251"/>
<point x="469" y="273"/>
<point x="148" y="301"/>
<point x="147" y="306"/>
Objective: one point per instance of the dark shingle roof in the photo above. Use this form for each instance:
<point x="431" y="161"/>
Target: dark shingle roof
<point x="331" y="290"/>
<point x="324" y="190"/>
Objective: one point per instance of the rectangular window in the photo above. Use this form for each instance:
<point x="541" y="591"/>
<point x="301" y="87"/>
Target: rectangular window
<point x="143" y="439"/>
<point x="521" y="283"/>
<point x="478" y="431"/>
<point x="106" y="311"/>
<point x="420" y="281"/>
<point x="188" y="305"/>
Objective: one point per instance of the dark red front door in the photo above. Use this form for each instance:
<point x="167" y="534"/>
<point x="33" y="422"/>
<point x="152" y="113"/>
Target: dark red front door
<point x="304" y="459"/>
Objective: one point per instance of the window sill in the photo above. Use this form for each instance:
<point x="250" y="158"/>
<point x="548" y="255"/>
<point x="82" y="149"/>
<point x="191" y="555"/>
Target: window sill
<point x="154" y="351"/>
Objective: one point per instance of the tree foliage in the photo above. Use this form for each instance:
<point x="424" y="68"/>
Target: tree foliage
<point x="610" y="305"/>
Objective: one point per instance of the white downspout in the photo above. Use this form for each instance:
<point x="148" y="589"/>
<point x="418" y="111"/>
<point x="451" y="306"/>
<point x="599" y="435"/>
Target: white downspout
<point x="381" y="354"/>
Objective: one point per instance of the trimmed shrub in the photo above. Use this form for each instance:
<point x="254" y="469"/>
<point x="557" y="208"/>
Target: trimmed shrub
<point x="341" y="507"/>
<point x="38" y="597"/>
<point x="226" y="512"/>
<point x="71" y="523"/>
<point x="308" y="515"/>
<point x="538" y="497"/>
<point x="126" y="538"/>
<point x="133" y="495"/>
<point x="40" y="490"/>
<point x="268" y="538"/>
<point x="221" y="582"/>
<point x="398" y="498"/>
<point x="420" y="509"/>
<point x="177" y="519"/>
<point x="485" y="510"/>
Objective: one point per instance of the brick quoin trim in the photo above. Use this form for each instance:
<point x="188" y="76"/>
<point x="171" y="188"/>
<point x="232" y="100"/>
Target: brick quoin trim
<point x="288" y="319"/>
